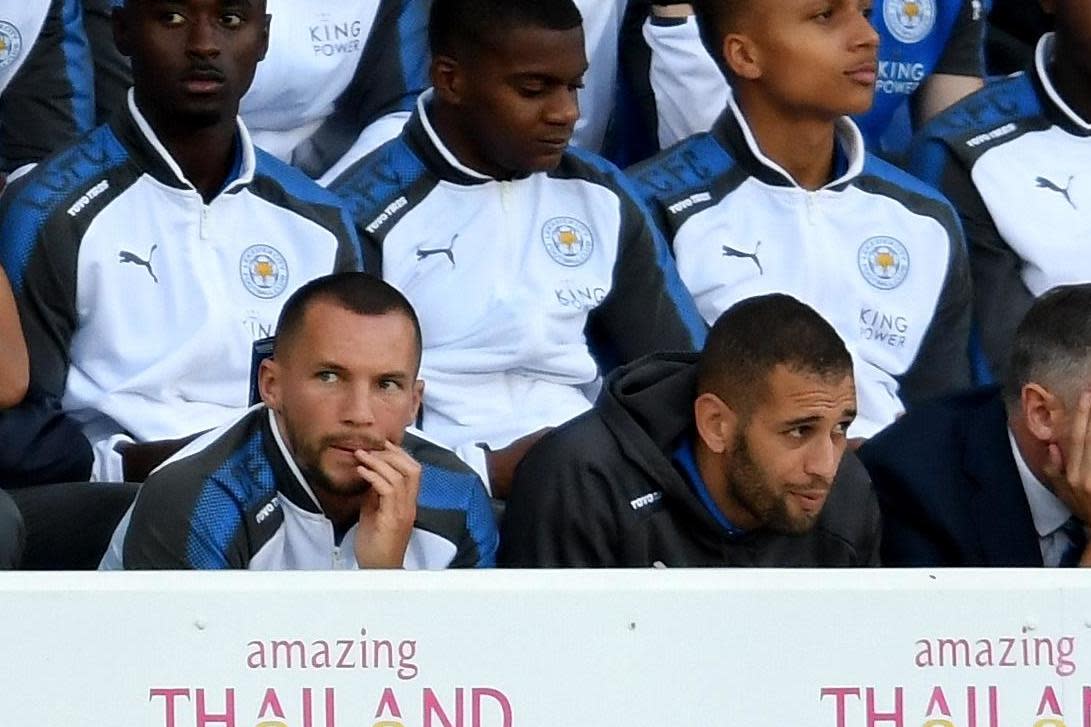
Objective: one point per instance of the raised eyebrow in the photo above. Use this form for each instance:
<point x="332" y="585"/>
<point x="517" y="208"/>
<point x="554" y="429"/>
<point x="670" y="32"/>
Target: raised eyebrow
<point x="793" y="423"/>
<point x="848" y="414"/>
<point x="399" y="376"/>
<point x="329" y="366"/>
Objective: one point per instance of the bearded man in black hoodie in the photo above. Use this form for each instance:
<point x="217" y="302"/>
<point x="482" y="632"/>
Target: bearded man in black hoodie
<point x="733" y="457"/>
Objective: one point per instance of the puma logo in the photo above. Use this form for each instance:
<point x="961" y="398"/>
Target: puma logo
<point x="449" y="251"/>
<point x="732" y="252"/>
<point x="127" y="257"/>
<point x="1044" y="183"/>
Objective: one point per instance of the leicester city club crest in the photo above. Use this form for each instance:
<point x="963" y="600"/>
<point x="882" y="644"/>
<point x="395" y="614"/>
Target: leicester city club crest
<point x="11" y="43"/>
<point x="568" y="241"/>
<point x="264" y="271"/>
<point x="910" y="21"/>
<point x="884" y="262"/>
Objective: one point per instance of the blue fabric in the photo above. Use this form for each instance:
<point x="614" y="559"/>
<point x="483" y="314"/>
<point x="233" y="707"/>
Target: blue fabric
<point x="78" y="66"/>
<point x="413" y="41"/>
<point x="245" y="477"/>
<point x="442" y="489"/>
<point x="686" y="462"/>
<point x="26" y="209"/>
<point x="368" y="186"/>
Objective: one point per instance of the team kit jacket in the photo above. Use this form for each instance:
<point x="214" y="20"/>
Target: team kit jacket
<point x="525" y="289"/>
<point x="46" y="88"/>
<point x="605" y="491"/>
<point x="916" y="39"/>
<point x="877" y="253"/>
<point x="340" y="78"/>
<point x="235" y="498"/>
<point x="139" y="302"/>
<point x="1016" y="161"/>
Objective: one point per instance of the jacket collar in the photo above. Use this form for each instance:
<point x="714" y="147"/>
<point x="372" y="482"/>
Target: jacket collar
<point x="733" y="132"/>
<point x="998" y="503"/>
<point x="423" y="138"/>
<point x="290" y="481"/>
<point x="133" y="129"/>
<point x="1065" y="116"/>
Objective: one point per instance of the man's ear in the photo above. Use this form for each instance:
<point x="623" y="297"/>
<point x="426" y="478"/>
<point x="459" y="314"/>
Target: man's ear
<point x="716" y="422"/>
<point x="742" y="56"/>
<point x="269" y="383"/>
<point x="446" y="73"/>
<point x="1040" y="409"/>
<point x="119" y="24"/>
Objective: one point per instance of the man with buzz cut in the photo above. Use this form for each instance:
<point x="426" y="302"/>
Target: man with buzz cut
<point x="322" y="474"/>
<point x="781" y="196"/>
<point x="733" y="457"/>
<point x="147" y="258"/>
<point x="531" y="265"/>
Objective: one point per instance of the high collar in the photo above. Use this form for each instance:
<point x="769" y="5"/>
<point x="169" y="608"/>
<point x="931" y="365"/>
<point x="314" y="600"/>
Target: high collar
<point x="735" y="134"/>
<point x="290" y="481"/>
<point x="1067" y="117"/>
<point x="133" y="129"/>
<point x="425" y="141"/>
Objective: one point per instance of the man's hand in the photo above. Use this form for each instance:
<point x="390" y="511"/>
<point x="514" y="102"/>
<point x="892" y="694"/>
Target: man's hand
<point x="502" y="462"/>
<point x="389" y="507"/>
<point x="1070" y="473"/>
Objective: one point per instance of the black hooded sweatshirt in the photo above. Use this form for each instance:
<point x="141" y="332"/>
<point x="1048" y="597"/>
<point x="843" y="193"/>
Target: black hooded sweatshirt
<point x="603" y="491"/>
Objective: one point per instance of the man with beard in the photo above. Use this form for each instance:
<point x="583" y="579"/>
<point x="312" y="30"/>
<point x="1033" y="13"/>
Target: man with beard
<point x="323" y="474"/>
<point x="733" y="457"/>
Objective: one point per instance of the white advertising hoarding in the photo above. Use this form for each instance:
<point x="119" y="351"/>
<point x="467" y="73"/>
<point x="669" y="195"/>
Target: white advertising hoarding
<point x="580" y="648"/>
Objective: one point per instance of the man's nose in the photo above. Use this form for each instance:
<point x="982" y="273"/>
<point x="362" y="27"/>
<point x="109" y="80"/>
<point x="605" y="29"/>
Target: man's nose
<point x="356" y="407"/>
<point x="203" y="37"/>
<point x="825" y="457"/>
<point x="563" y="108"/>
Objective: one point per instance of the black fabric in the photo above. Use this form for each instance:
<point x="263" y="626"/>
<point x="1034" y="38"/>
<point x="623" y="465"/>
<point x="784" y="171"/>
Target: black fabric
<point x="12" y="533"/>
<point x="40" y="444"/>
<point x="949" y="488"/>
<point x="113" y="76"/>
<point x="69" y="525"/>
<point x="601" y="491"/>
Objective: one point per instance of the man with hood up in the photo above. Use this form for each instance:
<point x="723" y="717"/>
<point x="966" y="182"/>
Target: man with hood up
<point x="733" y="457"/>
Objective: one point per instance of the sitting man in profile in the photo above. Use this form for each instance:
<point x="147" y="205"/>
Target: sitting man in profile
<point x="323" y="474"/>
<point x="733" y="457"/>
<point x="1000" y="476"/>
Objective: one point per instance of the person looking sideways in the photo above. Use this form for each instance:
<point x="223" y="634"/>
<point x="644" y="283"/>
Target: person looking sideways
<point x="322" y="474"/>
<point x="781" y="196"/>
<point x="531" y="265"/>
<point x="146" y="258"/>
<point x="1014" y="159"/>
<point x="999" y="476"/>
<point x="733" y="457"/>
<point x="931" y="54"/>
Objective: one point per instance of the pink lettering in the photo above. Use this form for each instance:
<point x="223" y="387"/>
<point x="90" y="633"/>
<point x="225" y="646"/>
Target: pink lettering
<point x="308" y="707"/>
<point x="388" y="702"/>
<point x="839" y="694"/>
<point x="432" y="706"/>
<point x="938" y="701"/>
<point x="874" y="717"/>
<point x="477" y="694"/>
<point x="1049" y="698"/>
<point x="227" y="718"/>
<point x="169" y="695"/>
<point x="271" y="702"/>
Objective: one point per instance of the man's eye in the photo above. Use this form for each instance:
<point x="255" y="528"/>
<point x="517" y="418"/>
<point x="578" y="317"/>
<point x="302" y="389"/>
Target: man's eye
<point x="173" y="18"/>
<point x="797" y="432"/>
<point x="231" y="20"/>
<point x="326" y="377"/>
<point x="390" y="385"/>
<point x="531" y="91"/>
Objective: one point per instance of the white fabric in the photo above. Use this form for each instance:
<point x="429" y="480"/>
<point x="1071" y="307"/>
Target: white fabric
<point x="1047" y="511"/>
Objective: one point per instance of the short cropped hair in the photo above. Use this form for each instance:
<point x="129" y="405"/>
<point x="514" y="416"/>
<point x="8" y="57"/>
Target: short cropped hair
<point x="754" y="336"/>
<point x="474" y="23"/>
<point x="359" y="293"/>
<point x="1052" y="345"/>
<point x="715" y="19"/>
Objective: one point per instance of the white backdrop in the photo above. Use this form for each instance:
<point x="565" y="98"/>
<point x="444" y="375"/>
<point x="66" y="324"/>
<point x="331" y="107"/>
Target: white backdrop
<point x="497" y="649"/>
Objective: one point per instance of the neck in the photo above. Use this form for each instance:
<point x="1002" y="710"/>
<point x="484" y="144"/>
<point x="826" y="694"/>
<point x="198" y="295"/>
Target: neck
<point x="447" y="124"/>
<point x="713" y="469"/>
<point x="205" y="154"/>
<point x="1070" y="81"/>
<point x="803" y="147"/>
